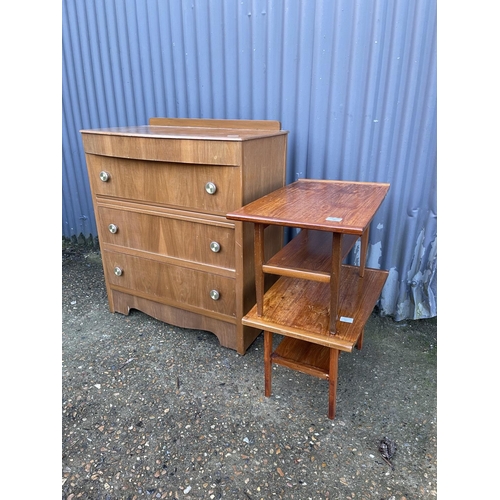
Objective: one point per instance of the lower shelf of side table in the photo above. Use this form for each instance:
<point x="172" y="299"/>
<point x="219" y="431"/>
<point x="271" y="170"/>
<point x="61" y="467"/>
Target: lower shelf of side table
<point x="302" y="356"/>
<point x="299" y="308"/>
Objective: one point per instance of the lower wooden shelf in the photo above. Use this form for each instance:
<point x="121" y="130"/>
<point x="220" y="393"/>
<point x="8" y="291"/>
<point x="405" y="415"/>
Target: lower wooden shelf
<point x="302" y="356"/>
<point x="299" y="308"/>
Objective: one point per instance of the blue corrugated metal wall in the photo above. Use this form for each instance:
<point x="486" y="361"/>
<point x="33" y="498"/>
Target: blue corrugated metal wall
<point x="354" y="82"/>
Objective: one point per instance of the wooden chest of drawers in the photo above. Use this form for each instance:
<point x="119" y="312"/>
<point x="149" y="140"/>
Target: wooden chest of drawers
<point x="160" y="194"/>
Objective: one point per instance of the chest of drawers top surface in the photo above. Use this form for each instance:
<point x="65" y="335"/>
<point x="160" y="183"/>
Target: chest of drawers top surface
<point x="172" y="132"/>
<point x="212" y="146"/>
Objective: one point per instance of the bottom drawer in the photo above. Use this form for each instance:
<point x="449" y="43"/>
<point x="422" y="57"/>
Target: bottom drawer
<point x="178" y="286"/>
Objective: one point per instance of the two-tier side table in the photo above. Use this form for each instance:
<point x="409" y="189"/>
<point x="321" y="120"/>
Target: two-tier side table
<point x="319" y="305"/>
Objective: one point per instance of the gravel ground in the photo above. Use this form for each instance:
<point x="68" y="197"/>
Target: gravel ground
<point x="150" y="410"/>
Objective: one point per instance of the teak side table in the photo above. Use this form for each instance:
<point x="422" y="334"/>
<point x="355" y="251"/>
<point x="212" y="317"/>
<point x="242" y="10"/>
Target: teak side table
<point x="318" y="304"/>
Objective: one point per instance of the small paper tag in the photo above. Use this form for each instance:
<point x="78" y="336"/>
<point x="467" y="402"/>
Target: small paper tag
<point x="345" y="319"/>
<point x="334" y="219"/>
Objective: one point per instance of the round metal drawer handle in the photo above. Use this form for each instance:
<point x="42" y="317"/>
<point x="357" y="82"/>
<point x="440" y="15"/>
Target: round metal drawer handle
<point x="215" y="247"/>
<point x="113" y="228"/>
<point x="210" y="188"/>
<point x="104" y="176"/>
<point x="118" y="271"/>
<point x="214" y="294"/>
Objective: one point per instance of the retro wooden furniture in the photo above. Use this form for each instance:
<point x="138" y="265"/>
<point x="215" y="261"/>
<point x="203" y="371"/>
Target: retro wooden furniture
<point x="318" y="304"/>
<point x="160" y="194"/>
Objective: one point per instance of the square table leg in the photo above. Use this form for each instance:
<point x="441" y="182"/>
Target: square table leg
<point x="359" y="343"/>
<point x="332" y="381"/>
<point x="335" y="281"/>
<point x="268" y="350"/>
<point x="259" y="261"/>
<point x="364" y="250"/>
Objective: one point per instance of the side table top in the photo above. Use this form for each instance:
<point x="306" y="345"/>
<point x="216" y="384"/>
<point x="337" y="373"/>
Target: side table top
<point x="325" y="205"/>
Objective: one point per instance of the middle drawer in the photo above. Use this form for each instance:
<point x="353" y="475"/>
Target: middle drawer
<point x="176" y="235"/>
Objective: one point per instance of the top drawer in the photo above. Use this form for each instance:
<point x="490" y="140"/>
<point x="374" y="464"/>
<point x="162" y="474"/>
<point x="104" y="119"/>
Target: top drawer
<point x="205" y="188"/>
<point x="182" y="150"/>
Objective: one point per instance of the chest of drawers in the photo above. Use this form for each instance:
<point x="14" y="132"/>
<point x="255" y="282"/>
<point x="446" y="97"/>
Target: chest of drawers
<point x="160" y="193"/>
